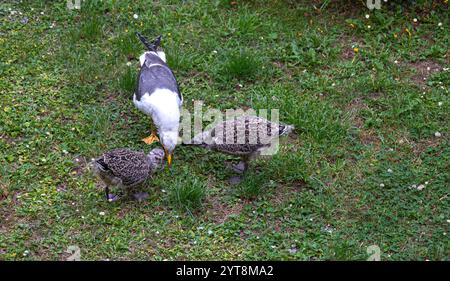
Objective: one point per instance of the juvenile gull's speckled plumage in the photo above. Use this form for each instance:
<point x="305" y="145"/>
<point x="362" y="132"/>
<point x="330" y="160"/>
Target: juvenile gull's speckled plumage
<point x="248" y="137"/>
<point x="127" y="168"/>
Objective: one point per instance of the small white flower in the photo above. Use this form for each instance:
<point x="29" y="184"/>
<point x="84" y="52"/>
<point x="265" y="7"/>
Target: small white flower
<point x="367" y="16"/>
<point x="101" y="213"/>
<point x="389" y="171"/>
<point x="440" y="24"/>
<point x="396" y="61"/>
<point x="420" y="187"/>
<point x="210" y="232"/>
<point x="414" y="20"/>
<point x="426" y="183"/>
<point x="437" y="134"/>
<point x="135" y="16"/>
<point x="215" y="52"/>
<point x="440" y="103"/>
<point x="428" y="68"/>
<point x="369" y="27"/>
<point x="26" y="253"/>
<point x="42" y="13"/>
<point x="273" y="246"/>
<point x="163" y="190"/>
<point x="381" y="184"/>
<point x="129" y="63"/>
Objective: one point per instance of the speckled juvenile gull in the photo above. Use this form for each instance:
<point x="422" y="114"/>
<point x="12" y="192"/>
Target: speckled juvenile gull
<point x="127" y="168"/>
<point x="244" y="136"/>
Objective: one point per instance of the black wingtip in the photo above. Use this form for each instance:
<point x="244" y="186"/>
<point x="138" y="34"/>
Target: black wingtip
<point x="144" y="41"/>
<point x="153" y="46"/>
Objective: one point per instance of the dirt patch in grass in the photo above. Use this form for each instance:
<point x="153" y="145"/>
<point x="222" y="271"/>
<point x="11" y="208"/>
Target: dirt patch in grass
<point x="368" y="137"/>
<point x="421" y="146"/>
<point x="220" y="212"/>
<point x="423" y="70"/>
<point x="283" y="68"/>
<point x="346" y="44"/>
<point x="283" y="193"/>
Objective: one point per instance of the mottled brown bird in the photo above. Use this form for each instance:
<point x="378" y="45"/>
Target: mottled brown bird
<point x="244" y="136"/>
<point x="127" y="168"/>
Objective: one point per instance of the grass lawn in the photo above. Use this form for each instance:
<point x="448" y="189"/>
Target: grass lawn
<point x="366" y="90"/>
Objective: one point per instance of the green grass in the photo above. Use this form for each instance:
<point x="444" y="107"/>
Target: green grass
<point x="365" y="130"/>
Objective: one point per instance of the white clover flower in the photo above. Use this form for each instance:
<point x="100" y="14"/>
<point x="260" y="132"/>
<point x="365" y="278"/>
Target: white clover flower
<point x="420" y="187"/>
<point x="135" y="16"/>
<point x="214" y="52"/>
<point x="414" y="20"/>
<point x="440" y="103"/>
<point x="440" y="24"/>
<point x="210" y="232"/>
<point x="101" y="213"/>
<point x="437" y="134"/>
<point x="381" y="184"/>
<point x="389" y="170"/>
<point x="396" y="61"/>
<point x="129" y="63"/>
<point x="367" y="16"/>
<point x="369" y="27"/>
